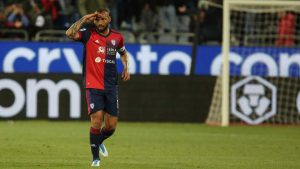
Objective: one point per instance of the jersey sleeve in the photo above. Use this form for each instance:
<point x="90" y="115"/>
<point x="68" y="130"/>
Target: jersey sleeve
<point x="121" y="47"/>
<point x="84" y="34"/>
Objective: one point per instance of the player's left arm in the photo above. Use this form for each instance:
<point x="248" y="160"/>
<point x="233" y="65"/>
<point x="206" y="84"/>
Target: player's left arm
<point x="124" y="58"/>
<point x="125" y="62"/>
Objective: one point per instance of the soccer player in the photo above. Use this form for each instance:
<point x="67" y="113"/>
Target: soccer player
<point x="101" y="45"/>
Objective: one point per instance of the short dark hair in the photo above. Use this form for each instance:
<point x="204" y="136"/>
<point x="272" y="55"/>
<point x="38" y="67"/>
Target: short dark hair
<point x="104" y="10"/>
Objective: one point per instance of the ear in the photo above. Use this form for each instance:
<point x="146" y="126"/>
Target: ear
<point x="109" y="18"/>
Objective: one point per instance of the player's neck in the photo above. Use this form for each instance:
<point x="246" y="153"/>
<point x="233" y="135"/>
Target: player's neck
<point x="104" y="32"/>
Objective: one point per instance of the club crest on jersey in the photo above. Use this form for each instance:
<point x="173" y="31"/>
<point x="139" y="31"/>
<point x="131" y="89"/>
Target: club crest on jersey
<point x="101" y="49"/>
<point x="113" y="42"/>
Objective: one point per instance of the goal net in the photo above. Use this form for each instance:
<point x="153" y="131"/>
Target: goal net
<point x="259" y="82"/>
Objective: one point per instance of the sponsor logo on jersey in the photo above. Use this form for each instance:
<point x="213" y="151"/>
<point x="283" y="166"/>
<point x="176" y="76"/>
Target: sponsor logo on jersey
<point x="111" y="51"/>
<point x="98" y="59"/>
<point x="108" y="61"/>
<point x="101" y="49"/>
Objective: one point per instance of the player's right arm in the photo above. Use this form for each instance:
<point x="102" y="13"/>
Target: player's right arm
<point x="72" y="32"/>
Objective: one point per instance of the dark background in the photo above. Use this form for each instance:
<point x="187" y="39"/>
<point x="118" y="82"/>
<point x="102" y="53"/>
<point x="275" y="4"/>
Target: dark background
<point x="143" y="98"/>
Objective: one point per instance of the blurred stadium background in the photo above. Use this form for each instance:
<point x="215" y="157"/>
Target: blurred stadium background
<point x="176" y="92"/>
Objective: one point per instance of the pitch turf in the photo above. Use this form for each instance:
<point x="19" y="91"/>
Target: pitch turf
<point x="64" y="145"/>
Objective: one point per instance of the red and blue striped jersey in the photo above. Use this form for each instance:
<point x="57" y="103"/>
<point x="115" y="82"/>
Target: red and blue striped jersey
<point x="99" y="58"/>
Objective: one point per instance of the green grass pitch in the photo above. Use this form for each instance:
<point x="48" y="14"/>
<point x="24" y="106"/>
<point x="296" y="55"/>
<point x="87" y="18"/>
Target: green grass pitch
<point x="65" y="145"/>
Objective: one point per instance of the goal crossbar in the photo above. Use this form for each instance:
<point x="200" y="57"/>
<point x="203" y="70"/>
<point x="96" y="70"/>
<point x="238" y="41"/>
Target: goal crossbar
<point x="263" y="2"/>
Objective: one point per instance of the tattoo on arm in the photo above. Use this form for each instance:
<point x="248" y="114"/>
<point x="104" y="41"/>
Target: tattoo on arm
<point x="72" y="31"/>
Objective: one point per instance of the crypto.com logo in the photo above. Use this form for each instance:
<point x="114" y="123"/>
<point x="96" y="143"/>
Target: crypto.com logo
<point x="253" y="99"/>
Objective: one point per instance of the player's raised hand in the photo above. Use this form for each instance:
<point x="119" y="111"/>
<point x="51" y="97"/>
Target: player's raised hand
<point x="72" y="32"/>
<point x="125" y="75"/>
<point x="90" y="17"/>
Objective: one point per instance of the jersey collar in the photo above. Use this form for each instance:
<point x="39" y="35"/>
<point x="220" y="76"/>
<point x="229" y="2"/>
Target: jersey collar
<point x="105" y="36"/>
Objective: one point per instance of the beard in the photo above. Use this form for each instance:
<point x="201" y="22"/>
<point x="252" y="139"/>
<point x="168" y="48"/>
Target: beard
<point x="102" y="29"/>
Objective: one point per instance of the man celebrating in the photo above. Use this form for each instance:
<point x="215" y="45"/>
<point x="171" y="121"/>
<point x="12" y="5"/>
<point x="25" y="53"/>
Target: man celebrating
<point x="100" y="76"/>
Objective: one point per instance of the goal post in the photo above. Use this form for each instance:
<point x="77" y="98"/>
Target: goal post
<point x="272" y="37"/>
<point x="225" y="65"/>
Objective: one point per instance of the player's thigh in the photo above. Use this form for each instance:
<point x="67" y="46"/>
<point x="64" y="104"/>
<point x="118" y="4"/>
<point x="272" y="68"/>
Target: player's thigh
<point x="95" y="100"/>
<point x="95" y="104"/>
<point x="110" y="121"/>
<point x="112" y="102"/>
